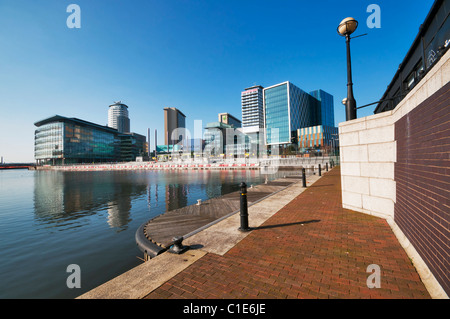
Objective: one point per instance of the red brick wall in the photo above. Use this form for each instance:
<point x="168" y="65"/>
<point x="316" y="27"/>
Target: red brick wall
<point x="422" y="175"/>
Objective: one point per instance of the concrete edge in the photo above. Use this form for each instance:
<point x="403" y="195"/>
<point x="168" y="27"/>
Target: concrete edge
<point x="433" y="287"/>
<point x="141" y="280"/>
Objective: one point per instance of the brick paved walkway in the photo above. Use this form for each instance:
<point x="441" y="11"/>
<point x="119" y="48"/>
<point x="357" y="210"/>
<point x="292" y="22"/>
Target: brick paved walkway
<point x="312" y="248"/>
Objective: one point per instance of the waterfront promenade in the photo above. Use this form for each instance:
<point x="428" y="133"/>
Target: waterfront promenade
<point x="308" y="247"/>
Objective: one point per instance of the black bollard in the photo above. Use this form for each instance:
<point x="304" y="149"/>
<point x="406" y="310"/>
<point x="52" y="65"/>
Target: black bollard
<point x="320" y="170"/>
<point x="178" y="247"/>
<point x="244" y="209"/>
<point x="304" y="177"/>
<point x="326" y="166"/>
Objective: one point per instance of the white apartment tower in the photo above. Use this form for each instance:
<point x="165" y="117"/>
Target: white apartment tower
<point x="252" y="109"/>
<point x="118" y="117"/>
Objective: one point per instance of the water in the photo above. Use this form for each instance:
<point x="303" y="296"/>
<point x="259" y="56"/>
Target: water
<point x="50" y="220"/>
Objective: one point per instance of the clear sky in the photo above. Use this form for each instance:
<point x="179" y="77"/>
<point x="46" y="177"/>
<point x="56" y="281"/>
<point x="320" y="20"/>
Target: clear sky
<point x="194" y="55"/>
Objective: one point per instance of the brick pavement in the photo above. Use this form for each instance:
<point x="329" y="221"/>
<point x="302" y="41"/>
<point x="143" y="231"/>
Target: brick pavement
<point x="311" y="248"/>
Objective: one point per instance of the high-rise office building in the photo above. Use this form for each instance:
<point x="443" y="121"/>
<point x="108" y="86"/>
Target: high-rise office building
<point x="253" y="116"/>
<point x="326" y="110"/>
<point x="252" y="108"/>
<point x="118" y="117"/>
<point x="286" y="109"/>
<point x="173" y="119"/>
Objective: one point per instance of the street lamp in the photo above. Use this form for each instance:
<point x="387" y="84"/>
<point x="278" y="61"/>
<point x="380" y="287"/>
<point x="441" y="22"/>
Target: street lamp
<point x="345" y="28"/>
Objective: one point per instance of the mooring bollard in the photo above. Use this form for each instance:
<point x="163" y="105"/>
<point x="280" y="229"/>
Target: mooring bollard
<point x="320" y="170"/>
<point x="304" y="177"/>
<point x="178" y="247"/>
<point x="244" y="208"/>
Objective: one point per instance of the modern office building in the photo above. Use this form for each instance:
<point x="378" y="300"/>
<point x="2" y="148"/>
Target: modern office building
<point x="229" y="119"/>
<point x="215" y="138"/>
<point x="253" y="118"/>
<point x="319" y="136"/>
<point x="224" y="140"/>
<point x="195" y="145"/>
<point x="132" y="145"/>
<point x="326" y="110"/>
<point x="173" y="119"/>
<point x="287" y="108"/>
<point x="62" y="140"/>
<point x="118" y="117"/>
<point x="252" y="108"/>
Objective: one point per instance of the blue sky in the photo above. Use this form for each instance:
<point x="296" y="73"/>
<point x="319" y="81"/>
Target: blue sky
<point x="194" y="55"/>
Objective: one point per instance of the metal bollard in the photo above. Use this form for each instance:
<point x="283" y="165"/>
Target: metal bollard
<point x="326" y="166"/>
<point x="320" y="170"/>
<point x="244" y="208"/>
<point x="178" y="247"/>
<point x="304" y="177"/>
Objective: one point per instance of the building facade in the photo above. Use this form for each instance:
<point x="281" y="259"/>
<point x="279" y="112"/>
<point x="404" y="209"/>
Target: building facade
<point x="61" y="140"/>
<point x="195" y="145"/>
<point x="326" y="109"/>
<point x="132" y="145"/>
<point x="215" y="138"/>
<point x="252" y="108"/>
<point x="320" y="136"/>
<point x="118" y="117"/>
<point x="229" y="119"/>
<point x="286" y="109"/>
<point x="224" y="140"/>
<point x="430" y="44"/>
<point x="252" y="105"/>
<point x="173" y="119"/>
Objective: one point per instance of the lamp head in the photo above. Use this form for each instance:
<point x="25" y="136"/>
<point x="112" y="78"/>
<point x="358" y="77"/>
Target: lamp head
<point x="347" y="26"/>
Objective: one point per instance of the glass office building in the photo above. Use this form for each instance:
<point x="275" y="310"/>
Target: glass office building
<point x="286" y="109"/>
<point x="61" y="140"/>
<point x="326" y="110"/>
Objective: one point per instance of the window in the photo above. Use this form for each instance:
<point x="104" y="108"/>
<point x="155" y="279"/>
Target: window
<point x="409" y="83"/>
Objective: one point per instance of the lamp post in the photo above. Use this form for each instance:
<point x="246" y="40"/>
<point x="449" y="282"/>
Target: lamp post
<point x="345" y="28"/>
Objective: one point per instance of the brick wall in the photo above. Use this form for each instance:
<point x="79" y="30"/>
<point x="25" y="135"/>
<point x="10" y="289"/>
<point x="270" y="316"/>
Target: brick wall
<point x="422" y="175"/>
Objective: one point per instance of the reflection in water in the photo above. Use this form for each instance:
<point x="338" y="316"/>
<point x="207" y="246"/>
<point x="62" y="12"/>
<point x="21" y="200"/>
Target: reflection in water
<point x="64" y="198"/>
